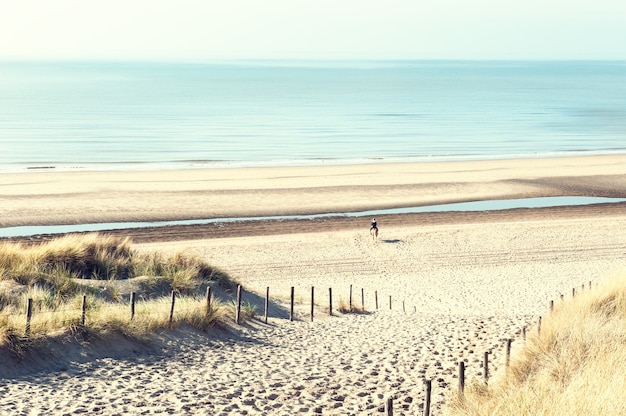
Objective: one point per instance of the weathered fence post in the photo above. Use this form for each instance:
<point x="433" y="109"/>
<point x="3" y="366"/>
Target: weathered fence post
<point x="508" y="353"/>
<point x="172" y="307"/>
<point x="376" y="298"/>
<point x="267" y="302"/>
<point x="83" y="311"/>
<point x="208" y="300"/>
<point x="330" y="301"/>
<point x="551" y="305"/>
<point x="350" y="298"/>
<point x="363" y="299"/>
<point x="428" y="390"/>
<point x="539" y="326"/>
<point x="403" y="310"/>
<point x="573" y="292"/>
<point x="486" y="366"/>
<point x="389" y="406"/>
<point x="461" y="377"/>
<point x="238" y="312"/>
<point x="312" y="301"/>
<point x="389" y="302"/>
<point x="29" y="315"/>
<point x="133" y="298"/>
<point x="291" y="307"/>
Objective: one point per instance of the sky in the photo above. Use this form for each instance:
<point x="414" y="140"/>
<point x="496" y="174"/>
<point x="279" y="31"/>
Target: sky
<point x="206" y="30"/>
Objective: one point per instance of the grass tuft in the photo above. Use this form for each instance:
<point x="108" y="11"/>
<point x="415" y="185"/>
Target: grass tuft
<point x="344" y="307"/>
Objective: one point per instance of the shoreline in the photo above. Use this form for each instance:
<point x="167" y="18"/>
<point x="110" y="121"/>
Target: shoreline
<point x="194" y="165"/>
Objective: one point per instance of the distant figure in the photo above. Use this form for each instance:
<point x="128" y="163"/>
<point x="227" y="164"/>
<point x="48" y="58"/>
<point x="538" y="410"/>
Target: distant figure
<point x="374" y="229"/>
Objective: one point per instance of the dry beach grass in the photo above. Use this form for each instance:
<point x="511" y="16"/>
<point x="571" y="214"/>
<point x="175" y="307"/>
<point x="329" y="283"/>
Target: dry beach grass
<point x="575" y="365"/>
<point x="54" y="280"/>
<point x="468" y="282"/>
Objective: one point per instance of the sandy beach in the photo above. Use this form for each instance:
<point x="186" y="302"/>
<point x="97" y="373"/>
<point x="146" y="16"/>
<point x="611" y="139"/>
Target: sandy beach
<point x="460" y="284"/>
<point x="49" y="198"/>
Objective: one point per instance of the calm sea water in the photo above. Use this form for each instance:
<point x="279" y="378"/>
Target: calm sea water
<point x="79" y="115"/>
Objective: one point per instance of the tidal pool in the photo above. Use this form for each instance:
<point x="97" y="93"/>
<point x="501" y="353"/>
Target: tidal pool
<point x="492" y="205"/>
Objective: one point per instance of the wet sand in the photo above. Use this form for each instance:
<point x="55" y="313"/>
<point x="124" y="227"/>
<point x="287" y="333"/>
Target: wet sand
<point x="53" y="198"/>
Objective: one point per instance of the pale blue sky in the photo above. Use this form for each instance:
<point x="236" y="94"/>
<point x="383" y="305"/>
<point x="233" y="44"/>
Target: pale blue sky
<point x="201" y="30"/>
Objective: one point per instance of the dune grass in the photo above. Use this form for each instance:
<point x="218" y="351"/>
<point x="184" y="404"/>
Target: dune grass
<point x="344" y="307"/>
<point x="58" y="273"/>
<point x="576" y="366"/>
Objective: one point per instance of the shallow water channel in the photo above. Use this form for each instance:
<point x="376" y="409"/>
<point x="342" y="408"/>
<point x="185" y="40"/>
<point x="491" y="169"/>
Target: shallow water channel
<point x="492" y="205"/>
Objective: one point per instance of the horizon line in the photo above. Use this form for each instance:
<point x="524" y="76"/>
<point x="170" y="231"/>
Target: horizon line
<point x="213" y="60"/>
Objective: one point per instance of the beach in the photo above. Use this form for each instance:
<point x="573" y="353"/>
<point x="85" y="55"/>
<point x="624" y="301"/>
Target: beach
<point x="450" y="286"/>
<point x="48" y="197"/>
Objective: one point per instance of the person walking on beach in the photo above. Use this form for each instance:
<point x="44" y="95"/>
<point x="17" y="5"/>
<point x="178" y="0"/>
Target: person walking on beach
<point x="374" y="229"/>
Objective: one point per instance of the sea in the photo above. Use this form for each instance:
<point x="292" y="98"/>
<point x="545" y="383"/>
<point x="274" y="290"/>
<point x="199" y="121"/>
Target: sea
<point x="166" y="115"/>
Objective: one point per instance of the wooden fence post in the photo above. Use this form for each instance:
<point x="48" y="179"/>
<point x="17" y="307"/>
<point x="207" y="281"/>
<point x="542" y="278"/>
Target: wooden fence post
<point x="403" y="310"/>
<point x="291" y="307"/>
<point x="573" y="292"/>
<point x="267" y="302"/>
<point x="350" y="298"/>
<point x="461" y="377"/>
<point x="376" y="298"/>
<point x="428" y="390"/>
<point x="539" y="326"/>
<point x="238" y="312"/>
<point x="29" y="314"/>
<point x="508" y="353"/>
<point x="389" y="302"/>
<point x="172" y="307"/>
<point x="551" y="305"/>
<point x="133" y="298"/>
<point x="208" y="300"/>
<point x="389" y="406"/>
<point x="83" y="311"/>
<point x="330" y="301"/>
<point x="312" y="301"/>
<point x="363" y="299"/>
<point x="486" y="366"/>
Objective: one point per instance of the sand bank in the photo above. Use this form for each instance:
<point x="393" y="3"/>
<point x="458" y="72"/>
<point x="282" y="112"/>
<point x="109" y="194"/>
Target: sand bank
<point x="86" y="197"/>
